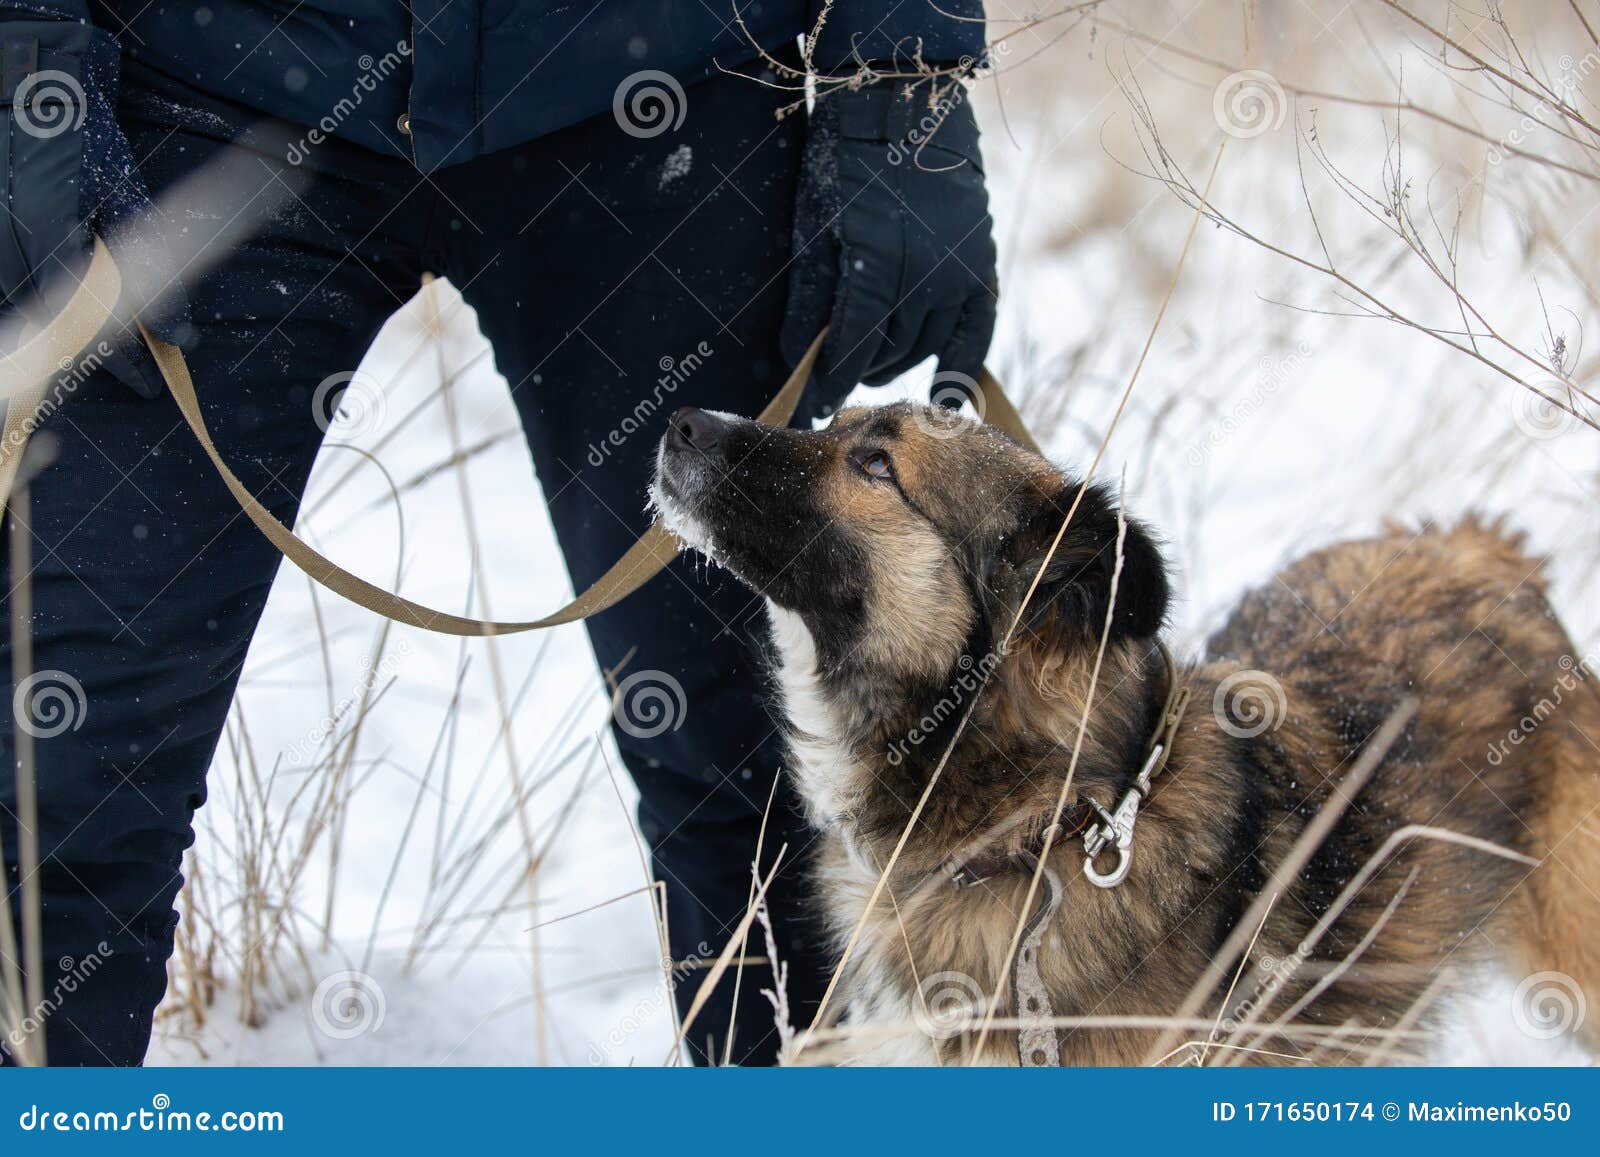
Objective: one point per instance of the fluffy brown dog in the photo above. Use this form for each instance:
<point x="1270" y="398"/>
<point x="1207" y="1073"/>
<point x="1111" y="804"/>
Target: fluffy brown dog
<point x="935" y="626"/>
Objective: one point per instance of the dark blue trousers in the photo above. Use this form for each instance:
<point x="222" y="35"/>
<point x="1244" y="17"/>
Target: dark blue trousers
<point x="589" y="256"/>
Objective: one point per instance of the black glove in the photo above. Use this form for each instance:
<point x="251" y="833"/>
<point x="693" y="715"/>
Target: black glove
<point x="893" y="249"/>
<point x="68" y="172"/>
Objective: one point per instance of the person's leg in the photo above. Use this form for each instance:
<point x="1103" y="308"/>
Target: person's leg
<point x="147" y="581"/>
<point x="620" y="277"/>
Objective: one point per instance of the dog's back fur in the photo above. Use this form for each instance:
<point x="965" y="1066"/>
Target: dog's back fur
<point x="1503" y="747"/>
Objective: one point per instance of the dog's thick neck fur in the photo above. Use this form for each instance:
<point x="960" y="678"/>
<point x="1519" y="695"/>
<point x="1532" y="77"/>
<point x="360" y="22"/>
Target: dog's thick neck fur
<point x="998" y="729"/>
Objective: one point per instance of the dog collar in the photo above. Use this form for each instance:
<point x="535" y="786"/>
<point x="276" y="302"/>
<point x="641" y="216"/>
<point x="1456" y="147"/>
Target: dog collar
<point x="1026" y="847"/>
<point x="1115" y="829"/>
<point x="1022" y="850"/>
<point x="1037" y="837"/>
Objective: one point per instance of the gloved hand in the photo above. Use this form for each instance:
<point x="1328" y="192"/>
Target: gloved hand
<point x="893" y="249"/>
<point x="68" y="172"/>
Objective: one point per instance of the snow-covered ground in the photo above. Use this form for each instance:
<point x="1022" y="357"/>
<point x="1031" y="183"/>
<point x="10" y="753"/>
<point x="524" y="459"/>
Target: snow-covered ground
<point x="1263" y="424"/>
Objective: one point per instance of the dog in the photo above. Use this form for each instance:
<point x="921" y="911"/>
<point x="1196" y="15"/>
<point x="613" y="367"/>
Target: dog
<point x="978" y="702"/>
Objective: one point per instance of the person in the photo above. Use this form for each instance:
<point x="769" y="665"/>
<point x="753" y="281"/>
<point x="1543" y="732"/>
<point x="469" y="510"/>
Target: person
<point x="610" y="185"/>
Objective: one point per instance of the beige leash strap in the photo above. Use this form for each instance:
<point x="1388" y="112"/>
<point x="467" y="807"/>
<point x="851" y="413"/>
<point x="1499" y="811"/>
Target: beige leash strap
<point x="1001" y="414"/>
<point x="21" y="409"/>
<point x="644" y="559"/>
<point x="25" y="374"/>
<point x="55" y="347"/>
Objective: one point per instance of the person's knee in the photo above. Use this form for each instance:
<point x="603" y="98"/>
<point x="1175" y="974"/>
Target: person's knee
<point x="105" y="967"/>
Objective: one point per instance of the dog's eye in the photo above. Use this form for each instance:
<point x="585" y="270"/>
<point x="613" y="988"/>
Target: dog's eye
<point x="876" y="464"/>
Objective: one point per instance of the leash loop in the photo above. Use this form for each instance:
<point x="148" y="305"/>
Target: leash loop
<point x="1037" y="1044"/>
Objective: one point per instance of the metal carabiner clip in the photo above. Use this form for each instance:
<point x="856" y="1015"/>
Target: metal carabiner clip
<point x="1115" y="830"/>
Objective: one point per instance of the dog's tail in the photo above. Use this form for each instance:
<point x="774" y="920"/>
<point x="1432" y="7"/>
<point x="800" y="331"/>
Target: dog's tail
<point x="1559" y="991"/>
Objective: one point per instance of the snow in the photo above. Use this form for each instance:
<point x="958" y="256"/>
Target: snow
<point x="677" y="165"/>
<point x="469" y="997"/>
<point x="1256" y="431"/>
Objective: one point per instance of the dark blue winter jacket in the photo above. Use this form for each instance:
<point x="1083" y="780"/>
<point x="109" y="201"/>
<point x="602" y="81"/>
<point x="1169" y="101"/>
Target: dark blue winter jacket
<point x="443" y="81"/>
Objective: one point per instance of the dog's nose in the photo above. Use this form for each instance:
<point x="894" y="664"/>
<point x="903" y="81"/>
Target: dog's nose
<point x="693" y="429"/>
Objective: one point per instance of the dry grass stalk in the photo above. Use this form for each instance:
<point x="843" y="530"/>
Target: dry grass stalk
<point x="1304" y="847"/>
<point x="24" y="962"/>
<point x="507" y="736"/>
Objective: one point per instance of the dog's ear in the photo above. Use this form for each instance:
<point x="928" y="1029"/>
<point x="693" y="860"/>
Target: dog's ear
<point x="1074" y="593"/>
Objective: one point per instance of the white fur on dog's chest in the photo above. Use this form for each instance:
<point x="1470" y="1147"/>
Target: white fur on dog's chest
<point x="828" y="778"/>
<point x="824" y="770"/>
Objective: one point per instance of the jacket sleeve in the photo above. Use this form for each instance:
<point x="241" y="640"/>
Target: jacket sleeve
<point x="58" y="75"/>
<point x="946" y="32"/>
